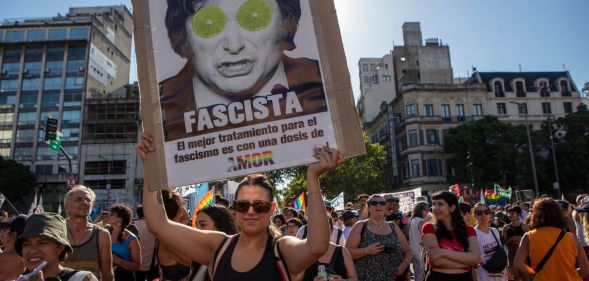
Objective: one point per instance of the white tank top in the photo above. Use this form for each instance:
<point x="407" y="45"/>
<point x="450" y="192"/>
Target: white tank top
<point x="415" y="237"/>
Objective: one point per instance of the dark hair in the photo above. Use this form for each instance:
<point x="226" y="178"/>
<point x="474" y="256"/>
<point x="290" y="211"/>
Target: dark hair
<point x="280" y="217"/>
<point x="418" y="209"/>
<point x="464" y="208"/>
<point x="259" y="180"/>
<point x="514" y="208"/>
<point x="457" y="220"/>
<point x="296" y="221"/>
<point x="124" y="212"/>
<point x="290" y="210"/>
<point x="172" y="202"/>
<point x="180" y="10"/>
<point x="4" y="214"/>
<point x="221" y="217"/>
<point x="546" y="212"/>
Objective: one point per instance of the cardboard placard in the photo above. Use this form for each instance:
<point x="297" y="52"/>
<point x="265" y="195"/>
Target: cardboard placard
<point x="230" y="88"/>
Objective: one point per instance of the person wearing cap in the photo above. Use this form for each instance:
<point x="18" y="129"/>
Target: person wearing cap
<point x="350" y="217"/>
<point x="44" y="238"/>
<point x="394" y="213"/>
<point x="11" y="264"/>
<point x="92" y="243"/>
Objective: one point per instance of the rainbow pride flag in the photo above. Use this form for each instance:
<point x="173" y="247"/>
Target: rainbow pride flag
<point x="208" y="199"/>
<point x="299" y="202"/>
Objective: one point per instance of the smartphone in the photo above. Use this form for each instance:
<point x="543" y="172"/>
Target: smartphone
<point x="28" y="276"/>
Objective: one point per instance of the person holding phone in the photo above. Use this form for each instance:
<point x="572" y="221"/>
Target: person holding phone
<point x="379" y="247"/>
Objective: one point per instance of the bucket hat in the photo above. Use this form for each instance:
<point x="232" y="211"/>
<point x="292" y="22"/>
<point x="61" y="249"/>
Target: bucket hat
<point x="49" y="225"/>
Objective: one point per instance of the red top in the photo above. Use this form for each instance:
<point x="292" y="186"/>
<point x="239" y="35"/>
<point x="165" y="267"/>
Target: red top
<point x="452" y="245"/>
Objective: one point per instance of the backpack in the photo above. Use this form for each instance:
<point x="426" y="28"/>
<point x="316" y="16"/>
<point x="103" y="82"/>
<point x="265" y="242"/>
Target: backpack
<point x="278" y="259"/>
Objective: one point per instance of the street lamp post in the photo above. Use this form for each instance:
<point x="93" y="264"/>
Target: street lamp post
<point x="557" y="183"/>
<point x="107" y="179"/>
<point x="520" y="107"/>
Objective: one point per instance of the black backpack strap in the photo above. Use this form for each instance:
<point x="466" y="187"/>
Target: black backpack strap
<point x="96" y="234"/>
<point x="227" y="241"/>
<point x="363" y="229"/>
<point x="279" y="262"/>
<point x="337" y="254"/>
<point x="493" y="232"/>
<point x="547" y="256"/>
<point x="339" y="236"/>
<point x="305" y="232"/>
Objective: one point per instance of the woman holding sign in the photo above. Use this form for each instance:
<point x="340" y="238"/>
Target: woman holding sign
<point x="253" y="254"/>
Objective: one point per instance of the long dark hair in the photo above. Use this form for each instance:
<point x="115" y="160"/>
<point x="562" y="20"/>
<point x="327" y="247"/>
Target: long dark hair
<point x="457" y="221"/>
<point x="172" y="202"/>
<point x="123" y="212"/>
<point x="262" y="181"/>
<point x="221" y="217"/>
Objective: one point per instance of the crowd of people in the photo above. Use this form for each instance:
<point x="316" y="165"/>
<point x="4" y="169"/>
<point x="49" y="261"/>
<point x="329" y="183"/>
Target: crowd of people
<point x="250" y="239"/>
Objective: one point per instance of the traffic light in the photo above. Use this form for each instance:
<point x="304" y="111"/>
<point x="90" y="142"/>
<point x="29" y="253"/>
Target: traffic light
<point x="50" y="129"/>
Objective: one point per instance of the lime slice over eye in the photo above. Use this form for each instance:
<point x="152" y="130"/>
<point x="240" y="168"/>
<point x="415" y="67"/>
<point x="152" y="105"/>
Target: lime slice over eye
<point x="209" y="21"/>
<point x="254" y="15"/>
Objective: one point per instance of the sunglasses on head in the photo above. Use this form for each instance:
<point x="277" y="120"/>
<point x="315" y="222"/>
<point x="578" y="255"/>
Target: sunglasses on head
<point x="242" y="206"/>
<point x="374" y="203"/>
<point x="481" y="212"/>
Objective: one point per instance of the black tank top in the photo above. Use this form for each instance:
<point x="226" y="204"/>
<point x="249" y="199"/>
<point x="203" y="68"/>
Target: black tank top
<point x="335" y="266"/>
<point x="264" y="270"/>
<point x="176" y="272"/>
<point x="515" y="231"/>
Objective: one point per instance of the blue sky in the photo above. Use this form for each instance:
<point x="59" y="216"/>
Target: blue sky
<point x="499" y="35"/>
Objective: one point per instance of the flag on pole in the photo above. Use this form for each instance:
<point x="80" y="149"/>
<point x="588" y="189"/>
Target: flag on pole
<point x="33" y="205"/>
<point x="39" y="209"/>
<point x="338" y="202"/>
<point x="2" y="199"/>
<point x="299" y="202"/>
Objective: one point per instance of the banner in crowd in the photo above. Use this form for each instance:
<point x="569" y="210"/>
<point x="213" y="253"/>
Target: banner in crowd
<point x="299" y="202"/>
<point x="221" y="111"/>
<point x="407" y="199"/>
<point x="498" y="195"/>
<point x="338" y="202"/>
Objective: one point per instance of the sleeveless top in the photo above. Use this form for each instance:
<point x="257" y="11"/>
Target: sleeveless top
<point x="264" y="270"/>
<point x="515" y="231"/>
<point x="87" y="255"/>
<point x="415" y="237"/>
<point x="562" y="264"/>
<point x="382" y="266"/>
<point x="122" y="250"/>
<point x="176" y="272"/>
<point x="336" y="265"/>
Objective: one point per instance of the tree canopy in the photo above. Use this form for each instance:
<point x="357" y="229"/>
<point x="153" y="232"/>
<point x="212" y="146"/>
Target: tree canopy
<point x="16" y="180"/>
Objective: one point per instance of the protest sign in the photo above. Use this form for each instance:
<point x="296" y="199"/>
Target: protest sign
<point x="230" y="87"/>
<point x="407" y="199"/>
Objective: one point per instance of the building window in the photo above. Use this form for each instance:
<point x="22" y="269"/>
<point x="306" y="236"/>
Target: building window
<point x="102" y="184"/>
<point x="428" y="109"/>
<point x="71" y="117"/>
<point x="412" y="134"/>
<point x="15" y="35"/>
<point x="43" y="169"/>
<point x="79" y="33"/>
<point x="568" y="107"/>
<point x="434" y="167"/>
<point x="501" y="110"/>
<point x="52" y="83"/>
<point x="1" y="35"/>
<point x="520" y="90"/>
<point x="544" y="90"/>
<point x="478" y="109"/>
<point x="386" y="78"/>
<point x="411" y="110"/>
<point x="446" y="112"/>
<point x="498" y="87"/>
<point x="105" y="167"/>
<point x="564" y="88"/>
<point x="374" y="79"/>
<point x="36" y="35"/>
<point x="432" y="136"/>
<point x="415" y="168"/>
<point x="460" y="112"/>
<point x="364" y="67"/>
<point x="522" y="108"/>
<point x="372" y="67"/>
<point x="546" y="108"/>
<point x="25" y="136"/>
<point x="45" y="153"/>
<point x="444" y="134"/>
<point x="26" y="118"/>
<point x="58" y="34"/>
<point x="366" y="79"/>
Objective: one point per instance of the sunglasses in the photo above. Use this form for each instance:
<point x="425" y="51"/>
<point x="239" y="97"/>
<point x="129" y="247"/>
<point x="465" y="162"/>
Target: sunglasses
<point x="481" y="212"/>
<point x="242" y="206"/>
<point x="374" y="203"/>
<point x="252" y="16"/>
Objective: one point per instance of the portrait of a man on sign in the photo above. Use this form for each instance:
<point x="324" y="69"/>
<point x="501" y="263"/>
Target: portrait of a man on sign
<point x="237" y="73"/>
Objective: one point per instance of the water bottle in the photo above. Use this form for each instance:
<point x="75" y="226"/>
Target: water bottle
<point x="321" y="272"/>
